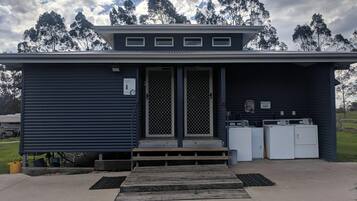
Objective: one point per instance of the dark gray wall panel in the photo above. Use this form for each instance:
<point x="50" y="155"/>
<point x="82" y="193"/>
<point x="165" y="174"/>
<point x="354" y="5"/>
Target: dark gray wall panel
<point x="283" y="85"/>
<point x="119" y="42"/>
<point x="322" y="108"/>
<point x="77" y="108"/>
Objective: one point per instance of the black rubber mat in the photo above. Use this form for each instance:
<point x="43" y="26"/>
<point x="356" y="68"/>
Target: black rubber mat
<point x="108" y="183"/>
<point x="254" y="180"/>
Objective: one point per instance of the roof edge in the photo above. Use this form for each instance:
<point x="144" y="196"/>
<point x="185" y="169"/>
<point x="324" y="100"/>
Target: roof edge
<point x="338" y="58"/>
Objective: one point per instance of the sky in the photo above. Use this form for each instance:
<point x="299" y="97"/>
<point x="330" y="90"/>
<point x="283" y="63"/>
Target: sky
<point x="18" y="15"/>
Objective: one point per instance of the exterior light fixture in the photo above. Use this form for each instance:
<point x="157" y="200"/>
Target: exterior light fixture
<point x="116" y="69"/>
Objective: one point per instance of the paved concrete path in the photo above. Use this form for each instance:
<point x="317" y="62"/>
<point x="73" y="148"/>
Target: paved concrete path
<point x="303" y="180"/>
<point x="55" y="187"/>
<point x="298" y="180"/>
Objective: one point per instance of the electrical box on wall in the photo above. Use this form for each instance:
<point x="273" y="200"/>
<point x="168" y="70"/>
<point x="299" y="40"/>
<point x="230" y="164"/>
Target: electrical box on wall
<point x="129" y="87"/>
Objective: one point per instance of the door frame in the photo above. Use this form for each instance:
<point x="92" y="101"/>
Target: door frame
<point x="147" y="99"/>
<point x="198" y="68"/>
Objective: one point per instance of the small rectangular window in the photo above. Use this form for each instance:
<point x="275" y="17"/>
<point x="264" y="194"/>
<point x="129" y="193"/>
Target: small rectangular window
<point x="221" y="41"/>
<point x="192" y="42"/>
<point x="164" y="42"/>
<point x="135" y="41"/>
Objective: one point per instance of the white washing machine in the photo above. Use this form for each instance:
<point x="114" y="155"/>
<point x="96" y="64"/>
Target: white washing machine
<point x="240" y="139"/>
<point x="279" y="140"/>
<point x="306" y="141"/>
<point x="258" y="143"/>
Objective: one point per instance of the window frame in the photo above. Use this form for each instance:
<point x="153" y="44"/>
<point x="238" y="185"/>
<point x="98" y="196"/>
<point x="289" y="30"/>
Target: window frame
<point x="229" y="38"/>
<point x="172" y="39"/>
<point x="130" y="37"/>
<point x="185" y="45"/>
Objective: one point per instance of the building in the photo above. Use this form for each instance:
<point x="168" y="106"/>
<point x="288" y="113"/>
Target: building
<point x="10" y="125"/>
<point x="171" y="83"/>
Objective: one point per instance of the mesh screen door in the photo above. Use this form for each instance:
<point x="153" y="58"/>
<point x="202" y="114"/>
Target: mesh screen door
<point x="198" y="102"/>
<point x="159" y="102"/>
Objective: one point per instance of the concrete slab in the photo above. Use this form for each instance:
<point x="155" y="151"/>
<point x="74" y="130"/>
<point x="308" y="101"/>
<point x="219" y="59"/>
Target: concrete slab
<point x="307" y="180"/>
<point x="205" y="143"/>
<point x="152" y="143"/>
<point x="55" y="187"/>
<point x="297" y="180"/>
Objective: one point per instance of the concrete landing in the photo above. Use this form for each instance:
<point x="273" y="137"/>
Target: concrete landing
<point x="182" y="182"/>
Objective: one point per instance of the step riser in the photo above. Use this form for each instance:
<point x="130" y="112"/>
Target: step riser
<point x="181" y="187"/>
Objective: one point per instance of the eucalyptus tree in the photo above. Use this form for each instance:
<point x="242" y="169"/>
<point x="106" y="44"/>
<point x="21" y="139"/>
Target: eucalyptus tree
<point x="303" y="37"/>
<point x="354" y="41"/>
<point x="84" y="35"/>
<point x="10" y="92"/>
<point x="341" y="43"/>
<point x="249" y="13"/>
<point x="208" y="14"/>
<point x="313" y="37"/>
<point x="347" y="89"/>
<point x="48" y="35"/>
<point x="321" y="32"/>
<point x="162" y="12"/>
<point x="123" y="14"/>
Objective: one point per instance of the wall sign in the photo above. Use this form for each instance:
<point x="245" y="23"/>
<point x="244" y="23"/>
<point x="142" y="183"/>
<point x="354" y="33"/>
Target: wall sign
<point x="129" y="87"/>
<point x="265" y="105"/>
<point x="249" y="106"/>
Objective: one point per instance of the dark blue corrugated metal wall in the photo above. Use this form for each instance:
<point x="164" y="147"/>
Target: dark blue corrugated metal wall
<point x="77" y="108"/>
<point x="322" y="108"/>
<point x="307" y="90"/>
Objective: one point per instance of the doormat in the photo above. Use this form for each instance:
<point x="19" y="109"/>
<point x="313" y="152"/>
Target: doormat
<point x="108" y="183"/>
<point x="254" y="180"/>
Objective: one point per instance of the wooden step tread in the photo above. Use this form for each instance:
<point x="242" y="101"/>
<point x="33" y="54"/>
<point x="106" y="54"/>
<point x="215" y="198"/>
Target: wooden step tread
<point x="207" y="194"/>
<point x="181" y="168"/>
<point x="178" y="158"/>
<point x="176" y="149"/>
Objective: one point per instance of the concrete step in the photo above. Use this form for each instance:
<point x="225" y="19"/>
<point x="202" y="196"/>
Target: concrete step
<point x="201" y="142"/>
<point x="155" y="143"/>
<point x="206" y="194"/>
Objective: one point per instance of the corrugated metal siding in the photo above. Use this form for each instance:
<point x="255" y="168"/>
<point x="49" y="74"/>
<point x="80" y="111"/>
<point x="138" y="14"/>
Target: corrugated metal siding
<point x="236" y="40"/>
<point x="322" y="109"/>
<point x="76" y="108"/>
<point x="308" y="91"/>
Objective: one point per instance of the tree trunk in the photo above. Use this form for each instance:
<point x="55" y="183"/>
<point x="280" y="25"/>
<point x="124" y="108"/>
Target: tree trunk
<point x="344" y="101"/>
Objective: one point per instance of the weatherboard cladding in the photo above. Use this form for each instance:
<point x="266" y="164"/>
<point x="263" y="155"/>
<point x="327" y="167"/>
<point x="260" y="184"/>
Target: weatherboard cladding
<point x="322" y="109"/>
<point x="120" y="39"/>
<point x="77" y="108"/>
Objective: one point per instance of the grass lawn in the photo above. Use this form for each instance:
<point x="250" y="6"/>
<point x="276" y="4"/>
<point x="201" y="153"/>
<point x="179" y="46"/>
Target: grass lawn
<point x="347" y="137"/>
<point x="347" y="146"/>
<point x="8" y="153"/>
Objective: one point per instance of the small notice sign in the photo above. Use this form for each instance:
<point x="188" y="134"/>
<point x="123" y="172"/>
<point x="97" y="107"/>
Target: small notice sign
<point x="129" y="87"/>
<point x="266" y="105"/>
